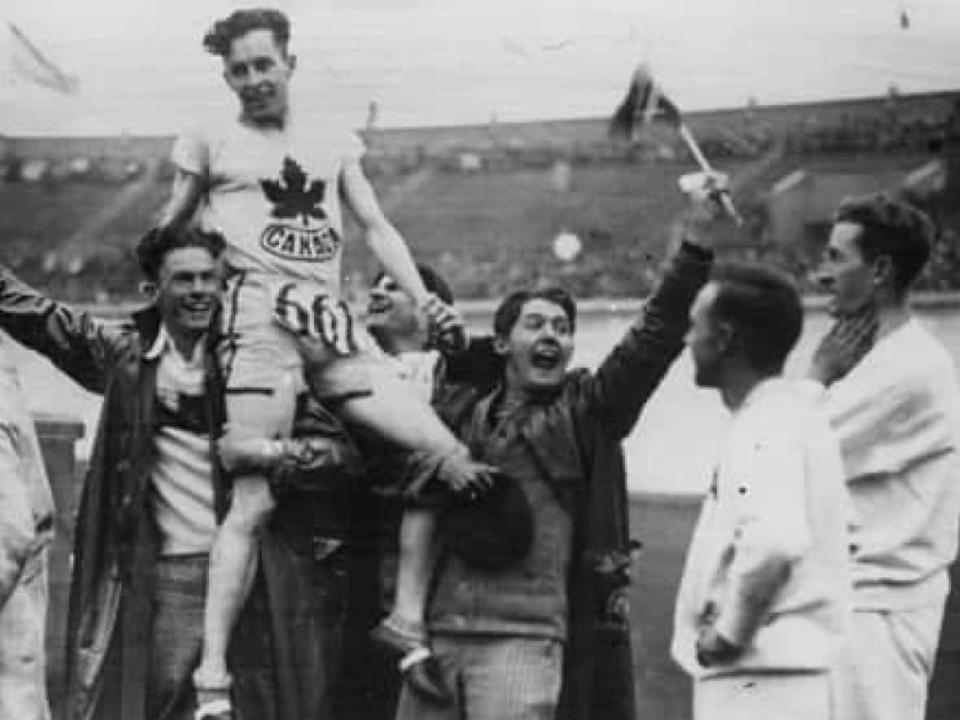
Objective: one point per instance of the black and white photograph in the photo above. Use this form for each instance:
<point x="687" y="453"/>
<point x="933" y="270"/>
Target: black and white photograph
<point x="461" y="360"/>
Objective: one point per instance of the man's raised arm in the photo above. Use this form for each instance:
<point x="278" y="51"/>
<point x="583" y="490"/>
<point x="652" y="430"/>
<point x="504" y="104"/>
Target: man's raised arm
<point x="76" y="342"/>
<point x="184" y="199"/>
<point x="634" y="369"/>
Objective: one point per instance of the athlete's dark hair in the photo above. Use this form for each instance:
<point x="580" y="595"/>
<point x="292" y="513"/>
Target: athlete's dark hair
<point x="892" y="228"/>
<point x="218" y="39"/>
<point x="154" y="246"/>
<point x="763" y="306"/>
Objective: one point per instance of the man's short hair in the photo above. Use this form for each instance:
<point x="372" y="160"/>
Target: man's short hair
<point x="892" y="228"/>
<point x="763" y="305"/>
<point x="432" y="281"/>
<point x="220" y="37"/>
<point x="509" y="310"/>
<point x="154" y="246"/>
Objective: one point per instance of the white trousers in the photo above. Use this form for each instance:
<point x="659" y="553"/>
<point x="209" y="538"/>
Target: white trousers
<point x="883" y="674"/>
<point x="772" y="696"/>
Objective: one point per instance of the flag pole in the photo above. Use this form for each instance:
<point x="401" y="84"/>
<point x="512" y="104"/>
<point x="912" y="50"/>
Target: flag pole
<point x="723" y="197"/>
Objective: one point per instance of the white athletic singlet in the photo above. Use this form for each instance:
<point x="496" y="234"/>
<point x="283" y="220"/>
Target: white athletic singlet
<point x="273" y="194"/>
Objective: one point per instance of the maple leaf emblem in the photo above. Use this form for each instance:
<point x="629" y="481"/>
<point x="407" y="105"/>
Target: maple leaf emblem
<point x="291" y="197"/>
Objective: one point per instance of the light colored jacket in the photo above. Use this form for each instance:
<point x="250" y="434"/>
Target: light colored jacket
<point x="768" y="566"/>
<point x="896" y="415"/>
<point x="26" y="502"/>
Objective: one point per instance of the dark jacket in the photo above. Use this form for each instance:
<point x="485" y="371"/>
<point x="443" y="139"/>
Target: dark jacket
<point x="571" y="441"/>
<point x="282" y="673"/>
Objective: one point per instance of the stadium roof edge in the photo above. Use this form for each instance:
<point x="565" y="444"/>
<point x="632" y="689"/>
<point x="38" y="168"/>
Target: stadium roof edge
<point x="691" y="114"/>
<point x="451" y="137"/>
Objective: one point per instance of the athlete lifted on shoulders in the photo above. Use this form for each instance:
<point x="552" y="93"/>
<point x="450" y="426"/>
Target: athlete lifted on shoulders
<point x="272" y="181"/>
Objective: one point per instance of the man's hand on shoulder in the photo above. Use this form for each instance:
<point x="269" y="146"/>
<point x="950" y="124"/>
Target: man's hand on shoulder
<point x="844" y="345"/>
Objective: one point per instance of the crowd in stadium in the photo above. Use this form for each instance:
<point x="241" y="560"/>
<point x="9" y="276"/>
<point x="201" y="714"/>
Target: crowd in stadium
<point x="104" y="271"/>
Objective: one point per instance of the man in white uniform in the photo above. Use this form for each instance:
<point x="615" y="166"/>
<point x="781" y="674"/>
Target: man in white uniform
<point x="764" y="598"/>
<point x="896" y="415"/>
<point x="271" y="182"/>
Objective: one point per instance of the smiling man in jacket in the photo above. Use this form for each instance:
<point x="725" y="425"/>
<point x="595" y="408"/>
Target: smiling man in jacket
<point x="153" y="497"/>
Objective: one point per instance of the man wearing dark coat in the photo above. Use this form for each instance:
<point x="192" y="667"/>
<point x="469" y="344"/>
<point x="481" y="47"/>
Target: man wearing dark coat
<point x="547" y="634"/>
<point x="155" y="493"/>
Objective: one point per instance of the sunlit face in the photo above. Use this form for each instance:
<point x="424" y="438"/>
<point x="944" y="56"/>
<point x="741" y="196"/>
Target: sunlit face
<point x="844" y="272"/>
<point x="539" y="347"/>
<point x="258" y="70"/>
<point x="187" y="291"/>
<point x="707" y="342"/>
<point x="391" y="310"/>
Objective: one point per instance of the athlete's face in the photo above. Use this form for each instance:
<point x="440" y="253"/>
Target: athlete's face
<point x="538" y="349"/>
<point x="187" y="291"/>
<point x="258" y="70"/>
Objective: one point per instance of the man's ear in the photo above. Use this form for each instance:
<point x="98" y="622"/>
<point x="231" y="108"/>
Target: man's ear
<point x="292" y="62"/>
<point x="725" y="338"/>
<point x="149" y="289"/>
<point x="500" y="345"/>
<point x="883" y="271"/>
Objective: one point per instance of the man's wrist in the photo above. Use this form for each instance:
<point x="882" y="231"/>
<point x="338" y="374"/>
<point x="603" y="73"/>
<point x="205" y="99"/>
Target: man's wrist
<point x="696" y="234"/>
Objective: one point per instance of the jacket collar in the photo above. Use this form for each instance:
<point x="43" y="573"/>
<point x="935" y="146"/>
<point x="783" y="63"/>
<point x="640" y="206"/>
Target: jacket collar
<point x="153" y="335"/>
<point x="147" y="322"/>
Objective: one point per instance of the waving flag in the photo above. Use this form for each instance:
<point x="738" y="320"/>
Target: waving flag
<point x="28" y="63"/>
<point x="645" y="102"/>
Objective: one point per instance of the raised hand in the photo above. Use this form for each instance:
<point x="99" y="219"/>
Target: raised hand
<point x="704" y="213"/>
<point x="447" y="329"/>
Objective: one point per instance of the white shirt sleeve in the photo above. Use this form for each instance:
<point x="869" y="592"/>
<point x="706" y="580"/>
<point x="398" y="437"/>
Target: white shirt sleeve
<point x="885" y="423"/>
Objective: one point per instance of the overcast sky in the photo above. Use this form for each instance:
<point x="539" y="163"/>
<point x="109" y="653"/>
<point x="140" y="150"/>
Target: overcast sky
<point x="439" y="62"/>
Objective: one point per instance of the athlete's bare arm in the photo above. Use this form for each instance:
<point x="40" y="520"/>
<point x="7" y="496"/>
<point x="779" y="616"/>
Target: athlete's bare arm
<point x="386" y="244"/>
<point x="184" y="200"/>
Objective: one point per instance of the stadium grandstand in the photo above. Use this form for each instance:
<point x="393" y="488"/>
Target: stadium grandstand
<point x="486" y="203"/>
